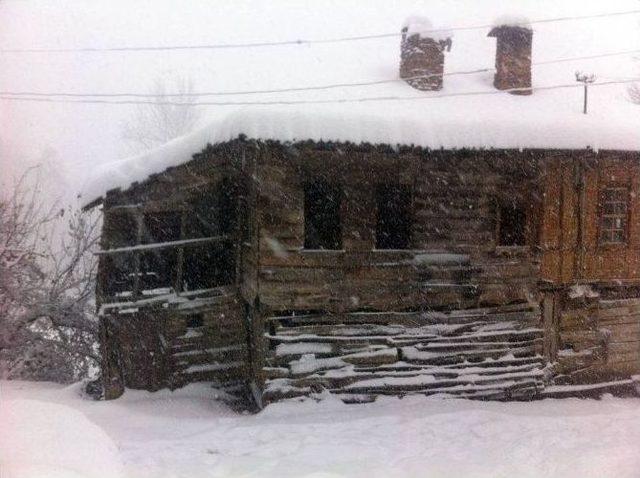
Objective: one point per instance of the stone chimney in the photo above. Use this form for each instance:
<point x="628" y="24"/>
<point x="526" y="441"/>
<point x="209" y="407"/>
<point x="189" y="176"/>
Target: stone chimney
<point x="422" y="54"/>
<point x="513" y="57"/>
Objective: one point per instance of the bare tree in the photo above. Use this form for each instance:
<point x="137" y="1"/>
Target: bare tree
<point x="168" y="116"/>
<point x="634" y="93"/>
<point x="47" y="328"/>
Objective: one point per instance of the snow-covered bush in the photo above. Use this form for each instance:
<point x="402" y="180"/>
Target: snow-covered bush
<point x="47" y="330"/>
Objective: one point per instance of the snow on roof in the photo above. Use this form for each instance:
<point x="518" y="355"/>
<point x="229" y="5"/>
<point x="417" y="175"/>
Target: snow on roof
<point x="467" y="113"/>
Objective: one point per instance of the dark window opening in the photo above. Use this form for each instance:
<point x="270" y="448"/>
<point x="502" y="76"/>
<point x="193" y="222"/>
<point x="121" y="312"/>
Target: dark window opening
<point x="322" y="228"/>
<point x="158" y="269"/>
<point x="512" y="225"/>
<point x="121" y="229"/>
<point x="202" y="219"/>
<point x="195" y="321"/>
<point x="213" y="213"/>
<point x="227" y="206"/>
<point x="393" y="225"/>
<point x="160" y="265"/>
<point x="207" y="266"/>
<point x="161" y="227"/>
<point x="121" y="272"/>
<point x="614" y="211"/>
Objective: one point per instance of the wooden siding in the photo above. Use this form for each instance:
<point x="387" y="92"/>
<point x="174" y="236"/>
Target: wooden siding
<point x="599" y="340"/>
<point x="452" y="212"/>
<point x="453" y="266"/>
<point x="152" y="347"/>
<point x="570" y="242"/>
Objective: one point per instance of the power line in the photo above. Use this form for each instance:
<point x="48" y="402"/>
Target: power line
<point x="365" y="99"/>
<point x="221" y="46"/>
<point x="248" y="92"/>
<point x="587" y="57"/>
<point x="302" y="88"/>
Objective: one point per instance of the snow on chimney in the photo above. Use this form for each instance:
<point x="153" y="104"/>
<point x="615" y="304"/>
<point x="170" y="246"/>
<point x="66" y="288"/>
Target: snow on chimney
<point x="513" y="55"/>
<point x="422" y="54"/>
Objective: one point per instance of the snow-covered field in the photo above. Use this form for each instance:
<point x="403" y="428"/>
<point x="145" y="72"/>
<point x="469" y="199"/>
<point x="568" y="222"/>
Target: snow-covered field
<point x="51" y="431"/>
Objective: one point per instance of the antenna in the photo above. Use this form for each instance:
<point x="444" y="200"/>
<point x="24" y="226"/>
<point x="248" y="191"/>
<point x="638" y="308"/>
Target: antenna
<point x="586" y="79"/>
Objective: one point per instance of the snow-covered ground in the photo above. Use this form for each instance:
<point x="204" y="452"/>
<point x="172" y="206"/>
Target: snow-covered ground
<point x="51" y="431"/>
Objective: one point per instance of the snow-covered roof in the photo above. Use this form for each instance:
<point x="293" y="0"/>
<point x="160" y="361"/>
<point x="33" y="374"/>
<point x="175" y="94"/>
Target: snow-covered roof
<point x="467" y="113"/>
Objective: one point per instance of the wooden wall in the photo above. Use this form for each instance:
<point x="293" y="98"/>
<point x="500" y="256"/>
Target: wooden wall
<point x="171" y="345"/>
<point x="453" y="213"/>
<point x="599" y="340"/>
<point x="591" y="331"/>
<point x="453" y="262"/>
<point x="177" y="338"/>
<point x="571" y="251"/>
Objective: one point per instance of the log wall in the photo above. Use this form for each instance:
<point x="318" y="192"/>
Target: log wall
<point x="570" y="243"/>
<point x="453" y="264"/>
<point x="176" y="341"/>
<point x="591" y="325"/>
<point x="453" y="220"/>
<point x="365" y="309"/>
<point x="599" y="340"/>
<point x="171" y="337"/>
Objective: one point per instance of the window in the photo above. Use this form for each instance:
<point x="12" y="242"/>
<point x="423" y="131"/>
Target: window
<point x="121" y="228"/>
<point x="213" y="213"/>
<point x="120" y="231"/>
<point x="152" y="253"/>
<point x="512" y="225"/>
<point x="614" y="208"/>
<point x="207" y="265"/>
<point x="120" y="271"/>
<point x="227" y="200"/>
<point x="322" y="228"/>
<point x="160" y="227"/>
<point x="393" y="225"/>
<point x="158" y="266"/>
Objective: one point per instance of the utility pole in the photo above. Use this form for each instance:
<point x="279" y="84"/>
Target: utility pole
<point x="586" y="80"/>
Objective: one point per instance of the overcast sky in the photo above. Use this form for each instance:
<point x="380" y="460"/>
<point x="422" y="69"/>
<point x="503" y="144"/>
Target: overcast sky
<point x="72" y="138"/>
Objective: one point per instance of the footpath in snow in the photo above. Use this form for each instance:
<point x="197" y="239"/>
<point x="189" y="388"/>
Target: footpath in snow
<point x="48" y="430"/>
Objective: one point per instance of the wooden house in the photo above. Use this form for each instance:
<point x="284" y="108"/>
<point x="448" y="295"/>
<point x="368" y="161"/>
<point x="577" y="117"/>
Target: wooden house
<point x="281" y="265"/>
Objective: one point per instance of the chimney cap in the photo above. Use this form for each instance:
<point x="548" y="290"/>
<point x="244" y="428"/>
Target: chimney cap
<point x="422" y="26"/>
<point x="511" y="26"/>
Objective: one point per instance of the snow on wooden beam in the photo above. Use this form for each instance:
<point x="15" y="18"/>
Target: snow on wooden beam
<point x="164" y="245"/>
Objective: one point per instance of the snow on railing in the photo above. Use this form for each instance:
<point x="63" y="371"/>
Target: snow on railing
<point x="163" y="245"/>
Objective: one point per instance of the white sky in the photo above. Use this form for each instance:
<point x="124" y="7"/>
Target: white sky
<point x="74" y="138"/>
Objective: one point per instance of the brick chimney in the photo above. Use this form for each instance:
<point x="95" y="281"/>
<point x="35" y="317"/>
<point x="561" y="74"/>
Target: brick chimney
<point x="513" y="57"/>
<point x="422" y="54"/>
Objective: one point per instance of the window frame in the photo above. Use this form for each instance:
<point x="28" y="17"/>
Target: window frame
<point x="601" y="215"/>
<point x="222" y="243"/>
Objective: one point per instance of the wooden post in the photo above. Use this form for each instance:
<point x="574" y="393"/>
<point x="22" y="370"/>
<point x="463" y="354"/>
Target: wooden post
<point x="550" y="314"/>
<point x="180" y="253"/>
<point x="136" y="256"/>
